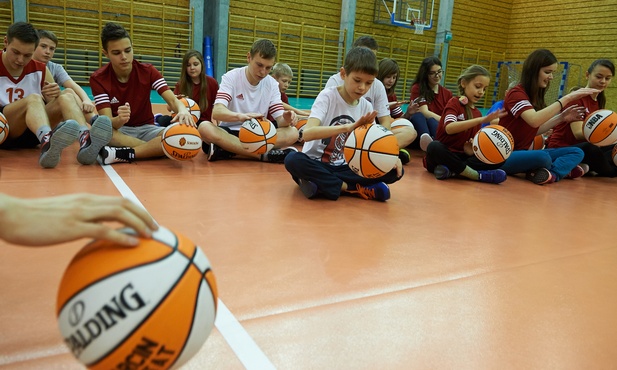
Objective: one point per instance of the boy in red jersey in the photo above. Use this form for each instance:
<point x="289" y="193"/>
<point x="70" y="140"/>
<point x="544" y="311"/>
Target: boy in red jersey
<point x="25" y="87"/>
<point x="121" y="91"/>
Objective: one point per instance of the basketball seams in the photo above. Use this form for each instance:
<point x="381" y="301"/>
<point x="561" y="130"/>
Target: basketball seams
<point x="152" y="312"/>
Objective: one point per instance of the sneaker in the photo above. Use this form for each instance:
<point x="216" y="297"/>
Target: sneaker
<point x="379" y="191"/>
<point x="541" y="176"/>
<point x="577" y="172"/>
<point x="215" y="153"/>
<point x="156" y="118"/>
<point x="93" y="118"/>
<point x="277" y="155"/>
<point x="404" y="155"/>
<point x="111" y="155"/>
<point x="91" y="141"/>
<point x="425" y="139"/>
<point x="585" y="168"/>
<point x="55" y="141"/>
<point x="492" y="176"/>
<point x="308" y="188"/>
<point x="442" y="172"/>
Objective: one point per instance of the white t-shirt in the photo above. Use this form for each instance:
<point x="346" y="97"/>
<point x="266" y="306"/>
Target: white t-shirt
<point x="57" y="70"/>
<point x="330" y="108"/>
<point x="13" y="88"/>
<point x="238" y="95"/>
<point x="376" y="94"/>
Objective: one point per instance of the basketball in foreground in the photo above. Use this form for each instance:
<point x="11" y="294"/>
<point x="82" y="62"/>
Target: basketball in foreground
<point x="257" y="135"/>
<point x="148" y="307"/>
<point x="493" y="144"/>
<point x="371" y="151"/>
<point x="192" y="107"/>
<point x="181" y="142"/>
<point x="4" y="128"/>
<point x="600" y="127"/>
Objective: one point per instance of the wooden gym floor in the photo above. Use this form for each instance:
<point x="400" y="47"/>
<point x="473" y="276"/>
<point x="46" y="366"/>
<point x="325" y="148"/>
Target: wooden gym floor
<point x="445" y="275"/>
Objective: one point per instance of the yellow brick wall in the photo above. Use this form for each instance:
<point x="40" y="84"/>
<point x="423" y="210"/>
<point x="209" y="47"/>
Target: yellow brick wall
<point x="575" y="31"/>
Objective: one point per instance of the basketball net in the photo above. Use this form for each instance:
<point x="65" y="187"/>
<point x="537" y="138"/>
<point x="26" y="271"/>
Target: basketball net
<point x="419" y="26"/>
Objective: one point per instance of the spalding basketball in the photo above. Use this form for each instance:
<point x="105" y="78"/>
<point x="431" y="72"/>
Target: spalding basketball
<point x="181" y="142"/>
<point x="493" y="144"/>
<point x="371" y="150"/>
<point x="399" y="123"/>
<point x="600" y="127"/>
<point x="257" y="135"/>
<point x="192" y="107"/>
<point x="153" y="304"/>
<point x="4" y="128"/>
<point x="301" y="123"/>
<point x="537" y="143"/>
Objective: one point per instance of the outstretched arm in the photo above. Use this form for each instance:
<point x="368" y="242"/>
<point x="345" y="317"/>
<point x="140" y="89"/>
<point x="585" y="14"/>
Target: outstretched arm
<point x="54" y="220"/>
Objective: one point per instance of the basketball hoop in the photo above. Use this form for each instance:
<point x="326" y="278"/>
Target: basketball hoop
<point x="418" y="24"/>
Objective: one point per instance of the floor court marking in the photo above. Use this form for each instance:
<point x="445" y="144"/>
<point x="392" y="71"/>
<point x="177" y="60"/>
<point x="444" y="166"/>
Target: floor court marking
<point x="241" y="343"/>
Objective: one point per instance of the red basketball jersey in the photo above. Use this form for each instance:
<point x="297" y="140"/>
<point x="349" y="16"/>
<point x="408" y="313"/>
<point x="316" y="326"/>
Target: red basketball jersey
<point x="110" y="93"/>
<point x="439" y="102"/>
<point x="562" y="133"/>
<point x="515" y="103"/>
<point x="212" y="88"/>
<point x="454" y="112"/>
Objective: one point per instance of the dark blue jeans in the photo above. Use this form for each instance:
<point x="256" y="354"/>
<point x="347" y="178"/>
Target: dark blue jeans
<point x="327" y="177"/>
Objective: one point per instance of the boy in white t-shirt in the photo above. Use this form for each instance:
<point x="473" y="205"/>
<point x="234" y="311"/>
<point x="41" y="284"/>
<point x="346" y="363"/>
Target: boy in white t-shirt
<point x="245" y="93"/>
<point x="404" y="131"/>
<point x="44" y="53"/>
<point x="320" y="168"/>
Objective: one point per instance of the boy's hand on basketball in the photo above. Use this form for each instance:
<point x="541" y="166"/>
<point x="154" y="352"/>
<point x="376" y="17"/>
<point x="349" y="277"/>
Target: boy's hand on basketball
<point x="290" y="117"/>
<point x="124" y="113"/>
<point x="50" y="91"/>
<point x="184" y="117"/>
<point x="364" y="120"/>
<point x="247" y="116"/>
<point x="75" y="216"/>
<point x="573" y="113"/>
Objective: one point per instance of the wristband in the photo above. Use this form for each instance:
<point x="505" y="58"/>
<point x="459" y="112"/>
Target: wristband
<point x="560" y="105"/>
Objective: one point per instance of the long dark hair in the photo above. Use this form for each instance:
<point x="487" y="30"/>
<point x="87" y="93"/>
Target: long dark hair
<point x="186" y="83"/>
<point x="604" y="63"/>
<point x="537" y="60"/>
<point x="388" y="67"/>
<point x="426" y="91"/>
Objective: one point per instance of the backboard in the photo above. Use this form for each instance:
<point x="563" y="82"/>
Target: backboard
<point x="413" y="14"/>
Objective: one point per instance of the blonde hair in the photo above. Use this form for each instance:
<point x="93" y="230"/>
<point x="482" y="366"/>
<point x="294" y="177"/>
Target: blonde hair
<point x="282" y="69"/>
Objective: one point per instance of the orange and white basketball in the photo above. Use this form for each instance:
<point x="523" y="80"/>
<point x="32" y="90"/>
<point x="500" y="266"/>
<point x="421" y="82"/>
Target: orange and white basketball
<point x="4" y="128"/>
<point x="371" y="150"/>
<point x="153" y="304"/>
<point x="192" y="107"/>
<point x="181" y="142"/>
<point x="399" y="123"/>
<point x="257" y="135"/>
<point x="600" y="127"/>
<point x="537" y="143"/>
<point x="493" y="144"/>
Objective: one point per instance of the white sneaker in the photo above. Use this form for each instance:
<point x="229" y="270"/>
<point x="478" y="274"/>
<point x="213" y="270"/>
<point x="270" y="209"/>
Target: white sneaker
<point x="109" y="155"/>
<point x="425" y="139"/>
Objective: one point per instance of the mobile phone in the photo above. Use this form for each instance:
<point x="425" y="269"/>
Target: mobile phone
<point x="403" y="102"/>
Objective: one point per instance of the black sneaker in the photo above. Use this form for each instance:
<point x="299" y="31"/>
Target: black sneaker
<point x="442" y="172"/>
<point x="541" y="176"/>
<point x="93" y="140"/>
<point x="111" y="155"/>
<point x="308" y="188"/>
<point x="404" y="155"/>
<point x="278" y="155"/>
<point x="54" y="142"/>
<point x="215" y="153"/>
